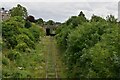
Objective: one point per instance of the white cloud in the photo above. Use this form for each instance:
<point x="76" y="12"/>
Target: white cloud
<point x="60" y="1"/>
<point x="105" y="8"/>
<point x="119" y="11"/>
<point x="61" y="11"/>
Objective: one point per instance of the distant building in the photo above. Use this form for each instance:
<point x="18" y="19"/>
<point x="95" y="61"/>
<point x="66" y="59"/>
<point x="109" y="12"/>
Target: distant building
<point x="50" y="29"/>
<point x="4" y="14"/>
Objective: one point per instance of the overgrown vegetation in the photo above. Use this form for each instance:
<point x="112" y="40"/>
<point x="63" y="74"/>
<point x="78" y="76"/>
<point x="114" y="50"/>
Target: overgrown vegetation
<point x="91" y="47"/>
<point x="21" y="57"/>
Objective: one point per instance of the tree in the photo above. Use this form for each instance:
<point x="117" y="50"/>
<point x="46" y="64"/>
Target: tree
<point x="82" y="17"/>
<point x="3" y="8"/>
<point x="111" y="18"/>
<point x="95" y="18"/>
<point x="18" y="11"/>
<point x="28" y="21"/>
<point x="91" y="48"/>
<point x="81" y="14"/>
<point x="27" y="24"/>
<point x="50" y="22"/>
<point x="30" y="18"/>
<point x="40" y="21"/>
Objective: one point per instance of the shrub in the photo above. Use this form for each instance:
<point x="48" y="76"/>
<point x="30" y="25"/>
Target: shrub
<point x="23" y="39"/>
<point x="5" y="61"/>
<point x="91" y="48"/>
<point x="13" y="55"/>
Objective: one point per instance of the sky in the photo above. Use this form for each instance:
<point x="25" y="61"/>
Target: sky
<point x="61" y="10"/>
<point x="119" y="11"/>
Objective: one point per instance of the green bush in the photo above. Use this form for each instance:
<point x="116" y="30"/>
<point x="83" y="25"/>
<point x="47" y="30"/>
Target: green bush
<point x="13" y="55"/>
<point x="9" y="32"/>
<point x="28" y="33"/>
<point x="6" y="72"/>
<point x="35" y="31"/>
<point x="23" y="39"/>
<point x="5" y="61"/>
<point x="27" y="24"/>
<point x="22" y="47"/>
<point x="21" y="74"/>
<point x="91" y="48"/>
<point x="18" y="43"/>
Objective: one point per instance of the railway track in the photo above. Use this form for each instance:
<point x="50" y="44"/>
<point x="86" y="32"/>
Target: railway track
<point x="50" y="59"/>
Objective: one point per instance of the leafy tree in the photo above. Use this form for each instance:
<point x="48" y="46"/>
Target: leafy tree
<point x="71" y="20"/>
<point x="28" y="21"/>
<point x="95" y="18"/>
<point x="27" y="24"/>
<point x="40" y="21"/>
<point x="30" y="18"/>
<point x="10" y="29"/>
<point x="18" y="11"/>
<point x="2" y="9"/>
<point x="50" y="22"/>
<point x="91" y="48"/>
<point x="81" y="14"/>
<point x="111" y="19"/>
<point x="76" y="20"/>
<point x="19" y="39"/>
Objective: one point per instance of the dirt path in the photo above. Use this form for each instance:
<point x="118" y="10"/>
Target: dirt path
<point x="53" y="64"/>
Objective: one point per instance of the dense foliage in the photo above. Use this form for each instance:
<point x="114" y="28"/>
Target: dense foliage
<point x="19" y="47"/>
<point x="40" y="22"/>
<point x="91" y="47"/>
<point x="30" y="18"/>
<point x="19" y="11"/>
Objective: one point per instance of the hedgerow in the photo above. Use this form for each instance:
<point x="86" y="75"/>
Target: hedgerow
<point x="91" y="48"/>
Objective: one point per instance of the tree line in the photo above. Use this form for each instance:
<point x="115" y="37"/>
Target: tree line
<point x="20" y="36"/>
<point x="90" y="48"/>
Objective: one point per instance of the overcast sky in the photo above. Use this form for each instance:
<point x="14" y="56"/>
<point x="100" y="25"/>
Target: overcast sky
<point x="62" y="10"/>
